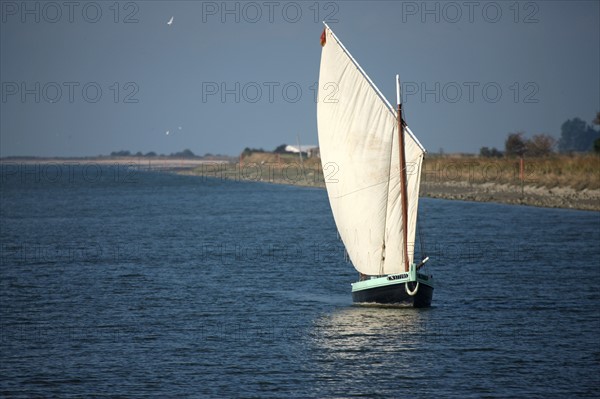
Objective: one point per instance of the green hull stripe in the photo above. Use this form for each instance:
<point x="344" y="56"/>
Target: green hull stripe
<point x="391" y="280"/>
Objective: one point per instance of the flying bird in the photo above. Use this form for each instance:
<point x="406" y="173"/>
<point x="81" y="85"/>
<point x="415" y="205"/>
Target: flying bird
<point x="170" y="21"/>
<point x="167" y="132"/>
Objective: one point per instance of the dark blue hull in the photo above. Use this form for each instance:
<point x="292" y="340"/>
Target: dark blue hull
<point x="395" y="294"/>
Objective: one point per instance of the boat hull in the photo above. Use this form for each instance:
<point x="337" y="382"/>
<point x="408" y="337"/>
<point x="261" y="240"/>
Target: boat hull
<point x="395" y="293"/>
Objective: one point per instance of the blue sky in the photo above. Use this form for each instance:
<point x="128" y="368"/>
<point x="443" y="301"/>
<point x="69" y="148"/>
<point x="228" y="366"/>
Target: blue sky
<point x="88" y="78"/>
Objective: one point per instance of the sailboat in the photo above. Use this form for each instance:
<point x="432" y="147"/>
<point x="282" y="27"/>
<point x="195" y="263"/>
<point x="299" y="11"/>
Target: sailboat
<point x="374" y="190"/>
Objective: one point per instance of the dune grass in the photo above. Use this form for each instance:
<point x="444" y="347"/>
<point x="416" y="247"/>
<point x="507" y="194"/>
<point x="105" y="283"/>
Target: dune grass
<point x="578" y="172"/>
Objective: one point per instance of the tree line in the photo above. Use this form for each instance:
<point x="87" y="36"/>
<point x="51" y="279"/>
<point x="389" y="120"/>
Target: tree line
<point x="575" y="136"/>
<point x="187" y="153"/>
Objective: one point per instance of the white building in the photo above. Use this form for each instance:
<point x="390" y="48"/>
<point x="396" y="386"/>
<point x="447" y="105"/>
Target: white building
<point x="310" y="150"/>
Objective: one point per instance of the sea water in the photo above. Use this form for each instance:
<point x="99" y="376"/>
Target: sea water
<point x="121" y="282"/>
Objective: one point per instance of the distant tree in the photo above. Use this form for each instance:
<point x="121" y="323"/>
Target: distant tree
<point x="577" y="136"/>
<point x="280" y="149"/>
<point x="249" y="151"/>
<point x="597" y="141"/>
<point x="120" y="153"/>
<point x="139" y="154"/>
<point x="151" y="154"/>
<point x="184" y="154"/>
<point x="540" y="145"/>
<point x="187" y="153"/>
<point x="515" y="144"/>
<point x="490" y="152"/>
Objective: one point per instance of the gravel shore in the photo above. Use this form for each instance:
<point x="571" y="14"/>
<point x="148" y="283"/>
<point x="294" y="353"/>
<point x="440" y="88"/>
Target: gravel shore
<point x="312" y="176"/>
<point x="557" y="197"/>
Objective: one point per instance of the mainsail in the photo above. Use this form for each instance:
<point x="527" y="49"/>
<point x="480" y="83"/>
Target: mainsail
<point x="358" y="138"/>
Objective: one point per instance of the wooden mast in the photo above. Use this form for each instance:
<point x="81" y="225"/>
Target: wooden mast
<point x="403" y="189"/>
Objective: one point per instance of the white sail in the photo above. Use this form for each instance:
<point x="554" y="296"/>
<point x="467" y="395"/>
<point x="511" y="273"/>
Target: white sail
<point x="358" y="138"/>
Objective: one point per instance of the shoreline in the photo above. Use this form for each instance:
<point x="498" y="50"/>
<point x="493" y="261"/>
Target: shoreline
<point x="502" y="193"/>
<point x="558" y="197"/>
<point x="143" y="163"/>
<point x="312" y="176"/>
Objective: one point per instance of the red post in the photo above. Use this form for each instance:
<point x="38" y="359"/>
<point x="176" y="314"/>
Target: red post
<point x="522" y="175"/>
<point x="522" y="169"/>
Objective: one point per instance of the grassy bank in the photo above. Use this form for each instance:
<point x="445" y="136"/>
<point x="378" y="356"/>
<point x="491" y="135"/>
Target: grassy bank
<point x="560" y="171"/>
<point x="558" y="181"/>
<point x="577" y="172"/>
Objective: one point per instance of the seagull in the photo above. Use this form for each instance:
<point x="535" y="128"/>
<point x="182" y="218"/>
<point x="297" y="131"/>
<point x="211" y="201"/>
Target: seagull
<point x="167" y="132"/>
<point x="170" y="21"/>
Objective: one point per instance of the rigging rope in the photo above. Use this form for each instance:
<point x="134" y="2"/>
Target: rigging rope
<point x="420" y="229"/>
